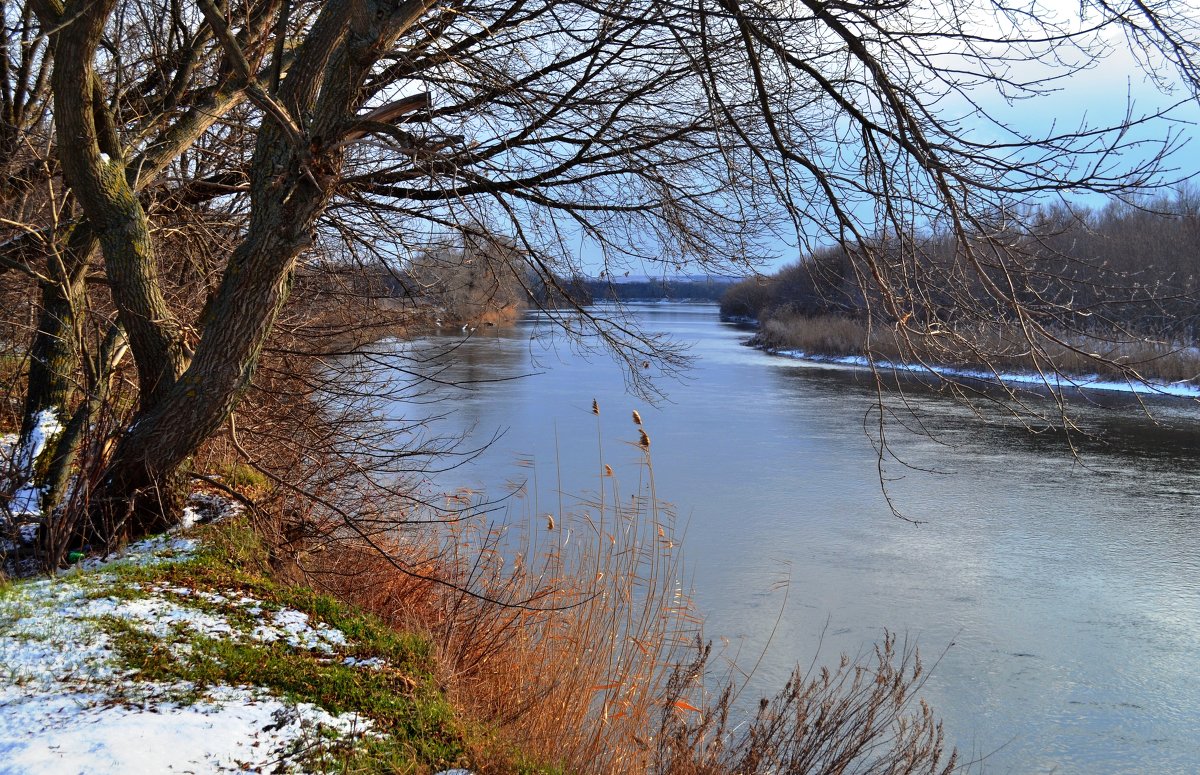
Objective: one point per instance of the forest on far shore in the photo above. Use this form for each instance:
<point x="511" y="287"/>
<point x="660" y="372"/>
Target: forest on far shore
<point x="1117" y="283"/>
<point x="662" y="288"/>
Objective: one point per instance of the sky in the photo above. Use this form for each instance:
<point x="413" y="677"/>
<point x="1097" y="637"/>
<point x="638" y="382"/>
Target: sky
<point x="1101" y="93"/>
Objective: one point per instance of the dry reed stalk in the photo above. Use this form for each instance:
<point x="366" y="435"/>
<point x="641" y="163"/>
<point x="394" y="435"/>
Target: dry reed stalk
<point x="577" y="674"/>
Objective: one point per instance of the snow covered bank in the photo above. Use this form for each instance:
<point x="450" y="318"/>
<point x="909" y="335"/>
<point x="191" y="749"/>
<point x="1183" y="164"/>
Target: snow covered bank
<point x="1057" y="382"/>
<point x="94" y="673"/>
<point x="67" y="705"/>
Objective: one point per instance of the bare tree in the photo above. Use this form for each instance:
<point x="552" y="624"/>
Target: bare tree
<point x="472" y="282"/>
<point x="679" y="133"/>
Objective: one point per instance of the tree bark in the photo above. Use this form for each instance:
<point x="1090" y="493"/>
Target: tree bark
<point x="98" y="389"/>
<point x="90" y="153"/>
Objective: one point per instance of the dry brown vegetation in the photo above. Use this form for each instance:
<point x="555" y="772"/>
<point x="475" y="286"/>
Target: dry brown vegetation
<point x="572" y="638"/>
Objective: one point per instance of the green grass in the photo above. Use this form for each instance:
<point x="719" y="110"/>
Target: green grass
<point x="9" y="617"/>
<point x="243" y="477"/>
<point x="110" y="589"/>
<point x="419" y="726"/>
<point x="413" y="727"/>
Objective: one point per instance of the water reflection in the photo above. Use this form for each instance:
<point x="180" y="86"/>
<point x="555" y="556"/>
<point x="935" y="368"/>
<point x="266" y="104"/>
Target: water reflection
<point x="1066" y="583"/>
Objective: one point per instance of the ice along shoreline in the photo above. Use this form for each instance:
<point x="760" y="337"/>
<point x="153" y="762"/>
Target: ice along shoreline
<point x="1051" y="381"/>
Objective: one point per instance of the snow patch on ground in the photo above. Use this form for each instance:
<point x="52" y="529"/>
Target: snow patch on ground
<point x="374" y="663"/>
<point x="67" y="705"/>
<point x="150" y="551"/>
<point x="1058" y="382"/>
<point x="293" y="627"/>
<point x="204" y="508"/>
<point x="234" y="730"/>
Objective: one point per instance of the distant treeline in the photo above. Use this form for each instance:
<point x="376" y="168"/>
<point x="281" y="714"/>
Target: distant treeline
<point x="486" y="279"/>
<point x="671" y="290"/>
<point x="1133" y="268"/>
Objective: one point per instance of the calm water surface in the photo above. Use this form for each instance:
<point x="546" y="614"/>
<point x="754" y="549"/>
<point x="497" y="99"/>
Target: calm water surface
<point x="1063" y="591"/>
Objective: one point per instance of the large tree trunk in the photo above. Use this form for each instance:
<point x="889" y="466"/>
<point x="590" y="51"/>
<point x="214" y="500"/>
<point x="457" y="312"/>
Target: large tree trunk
<point x="142" y="489"/>
<point x="142" y="482"/>
<point x="297" y="160"/>
<point x="90" y="152"/>
<point x="91" y="156"/>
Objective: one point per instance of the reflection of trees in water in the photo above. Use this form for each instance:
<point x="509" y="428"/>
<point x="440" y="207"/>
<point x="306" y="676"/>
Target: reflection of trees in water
<point x="487" y="357"/>
<point x="439" y="383"/>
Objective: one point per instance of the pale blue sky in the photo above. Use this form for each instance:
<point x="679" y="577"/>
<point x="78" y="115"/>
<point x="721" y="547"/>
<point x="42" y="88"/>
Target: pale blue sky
<point x="1100" y="91"/>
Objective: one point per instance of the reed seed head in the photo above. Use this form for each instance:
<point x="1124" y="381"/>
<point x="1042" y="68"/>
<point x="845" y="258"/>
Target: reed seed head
<point x="549" y="521"/>
<point x="637" y="418"/>
<point x="595" y="407"/>
<point x="644" y="440"/>
<point x="607" y="470"/>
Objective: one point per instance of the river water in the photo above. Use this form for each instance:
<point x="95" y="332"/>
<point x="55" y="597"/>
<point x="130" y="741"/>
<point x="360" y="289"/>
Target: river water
<point x="1058" y="593"/>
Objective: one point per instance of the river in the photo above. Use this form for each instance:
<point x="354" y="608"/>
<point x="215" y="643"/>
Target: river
<point x="1058" y="593"/>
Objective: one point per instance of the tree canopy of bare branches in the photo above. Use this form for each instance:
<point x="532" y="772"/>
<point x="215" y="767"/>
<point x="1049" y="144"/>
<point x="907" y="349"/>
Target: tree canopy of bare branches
<point x="169" y="166"/>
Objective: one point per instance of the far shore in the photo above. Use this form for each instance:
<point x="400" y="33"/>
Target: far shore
<point x="832" y="351"/>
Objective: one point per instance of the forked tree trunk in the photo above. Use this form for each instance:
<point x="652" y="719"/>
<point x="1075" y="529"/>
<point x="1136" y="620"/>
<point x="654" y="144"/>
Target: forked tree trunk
<point x="296" y="161"/>
<point x="144" y="488"/>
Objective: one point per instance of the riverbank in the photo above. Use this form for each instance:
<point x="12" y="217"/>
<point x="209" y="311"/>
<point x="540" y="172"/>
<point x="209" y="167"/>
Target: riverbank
<point x="830" y="340"/>
<point x="182" y="655"/>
